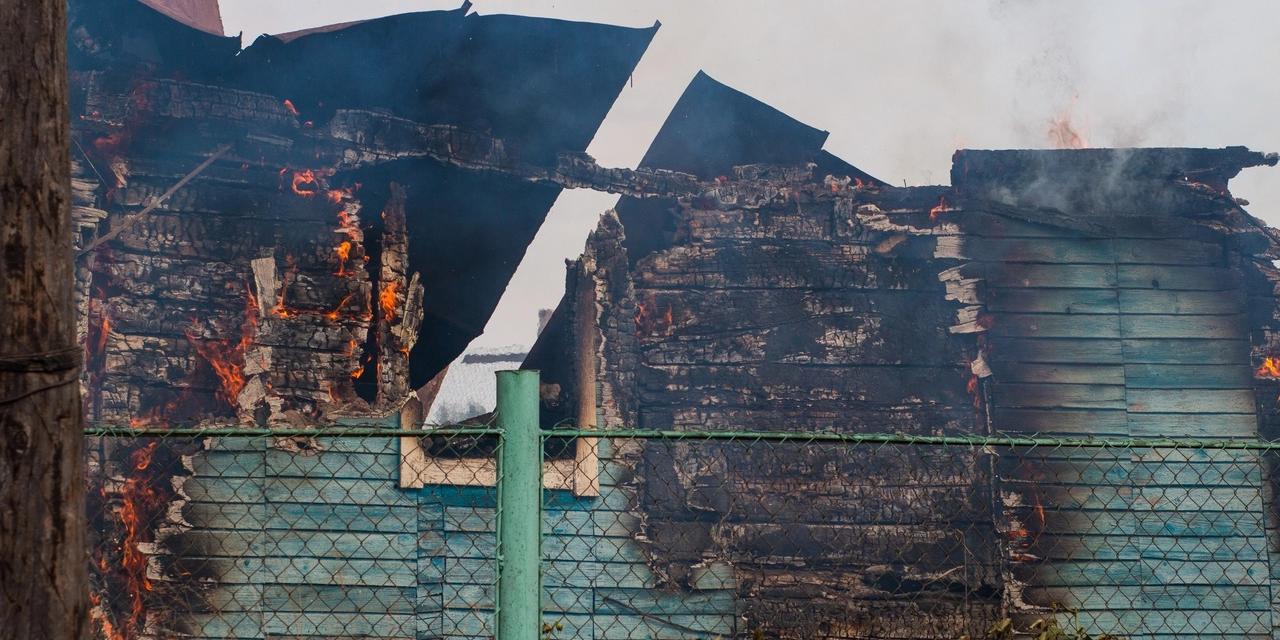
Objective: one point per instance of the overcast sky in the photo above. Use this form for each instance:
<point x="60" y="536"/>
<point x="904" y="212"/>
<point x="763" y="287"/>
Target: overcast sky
<point x="901" y="84"/>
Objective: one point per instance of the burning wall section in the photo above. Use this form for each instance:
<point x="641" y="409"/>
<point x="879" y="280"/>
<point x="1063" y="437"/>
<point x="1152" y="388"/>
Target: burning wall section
<point x="813" y="310"/>
<point x="1099" y="292"/>
<point x="261" y="294"/>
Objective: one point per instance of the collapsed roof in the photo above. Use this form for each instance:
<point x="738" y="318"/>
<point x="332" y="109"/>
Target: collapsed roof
<point x="540" y="86"/>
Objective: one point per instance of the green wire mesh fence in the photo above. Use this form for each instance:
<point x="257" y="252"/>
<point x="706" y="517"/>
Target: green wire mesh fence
<point x="370" y="531"/>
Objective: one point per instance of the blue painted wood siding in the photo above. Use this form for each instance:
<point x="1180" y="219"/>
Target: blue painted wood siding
<point x="317" y="544"/>
<point x="325" y="544"/>
<point x="1129" y="336"/>
<point x="596" y="582"/>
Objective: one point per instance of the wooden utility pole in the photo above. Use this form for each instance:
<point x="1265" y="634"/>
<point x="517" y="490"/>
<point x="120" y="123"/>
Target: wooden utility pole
<point x="43" y="566"/>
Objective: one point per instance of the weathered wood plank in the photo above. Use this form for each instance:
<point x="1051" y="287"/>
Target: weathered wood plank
<point x="223" y="489"/>
<point x="229" y="464"/>
<point x="1188" y="376"/>
<point x="1191" y="524"/>
<point x="1060" y="421"/>
<point x="1191" y="401"/>
<point x="376" y="491"/>
<point x="1068" y="301"/>
<point x="338" y="599"/>
<point x="357" y="466"/>
<point x="560" y="547"/>
<point x="1071" y="396"/>
<point x="1109" y="547"/>
<point x="1167" y="326"/>
<point x="1050" y="325"/>
<point x="1049" y="276"/>
<point x="1059" y="373"/>
<point x="225" y="625"/>
<point x="1059" y="350"/>
<point x="1185" y="351"/>
<point x="1178" y="278"/>
<point x="1104" y="597"/>
<point x="339" y="571"/>
<point x="1080" y="250"/>
<point x="340" y="517"/>
<point x="664" y="627"/>
<point x="222" y="515"/>
<point x="774" y="265"/>
<point x="338" y="544"/>
<point x="334" y="624"/>
<point x="1203" y="425"/>
<point x="852" y="385"/>
<point x="659" y="602"/>
<point x="1146" y="572"/>
<point x="1156" y="301"/>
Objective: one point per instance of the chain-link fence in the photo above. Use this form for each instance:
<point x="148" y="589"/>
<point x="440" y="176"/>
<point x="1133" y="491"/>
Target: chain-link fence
<point x="370" y="531"/>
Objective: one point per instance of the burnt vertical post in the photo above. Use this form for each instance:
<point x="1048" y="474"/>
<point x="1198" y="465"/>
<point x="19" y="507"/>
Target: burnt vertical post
<point x="519" y="606"/>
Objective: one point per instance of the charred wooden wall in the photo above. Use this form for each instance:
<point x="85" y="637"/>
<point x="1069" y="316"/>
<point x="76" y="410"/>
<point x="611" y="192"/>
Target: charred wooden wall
<point x="339" y="212"/>
<point x="1130" y="297"/>
<point x="801" y="317"/>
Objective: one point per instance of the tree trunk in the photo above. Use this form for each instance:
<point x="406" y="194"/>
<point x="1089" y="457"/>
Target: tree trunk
<point x="43" y="566"/>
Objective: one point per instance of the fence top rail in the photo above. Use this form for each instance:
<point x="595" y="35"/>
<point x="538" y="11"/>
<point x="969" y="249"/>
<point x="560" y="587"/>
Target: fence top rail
<point x="997" y="440"/>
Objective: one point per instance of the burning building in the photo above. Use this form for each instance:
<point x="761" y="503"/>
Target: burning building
<point x="304" y="232"/>
<point x="1093" y="292"/>
<point x="267" y="238"/>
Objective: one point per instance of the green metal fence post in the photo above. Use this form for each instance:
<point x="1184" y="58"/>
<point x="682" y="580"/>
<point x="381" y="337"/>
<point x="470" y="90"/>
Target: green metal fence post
<point x="519" y="606"/>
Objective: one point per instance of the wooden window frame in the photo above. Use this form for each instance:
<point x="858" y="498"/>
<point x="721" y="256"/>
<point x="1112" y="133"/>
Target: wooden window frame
<point x="580" y="475"/>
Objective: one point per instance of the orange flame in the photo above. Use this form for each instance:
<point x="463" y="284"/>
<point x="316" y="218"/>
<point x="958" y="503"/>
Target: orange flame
<point x="288" y="106"/>
<point x="344" y="252"/>
<point x="290" y="272"/>
<point x="333" y="315"/>
<point x="138" y="498"/>
<point x="939" y="208"/>
<point x="303" y="178"/>
<point x="1063" y="133"/>
<point x="649" y="319"/>
<point x="226" y="358"/>
<point x="347" y="223"/>
<point x="387" y="300"/>
<point x="1270" y="368"/>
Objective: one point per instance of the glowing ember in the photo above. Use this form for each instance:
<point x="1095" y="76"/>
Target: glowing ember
<point x="347" y="223"/>
<point x="649" y="319"/>
<point x="939" y="208"/>
<point x="975" y="391"/>
<point x="288" y="106"/>
<point x="387" y="300"/>
<point x="301" y="179"/>
<point x="1270" y="368"/>
<point x="333" y="315"/>
<point x="358" y="372"/>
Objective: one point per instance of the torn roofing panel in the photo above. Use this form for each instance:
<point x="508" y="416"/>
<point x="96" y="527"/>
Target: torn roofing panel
<point x="712" y="129"/>
<point x="199" y="14"/>
<point x="162" y="38"/>
<point x="542" y="85"/>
